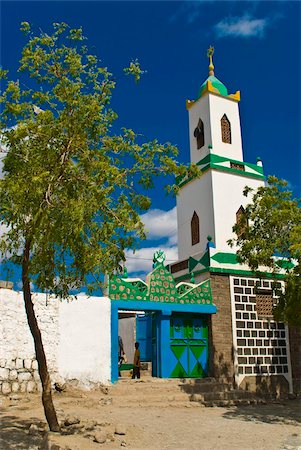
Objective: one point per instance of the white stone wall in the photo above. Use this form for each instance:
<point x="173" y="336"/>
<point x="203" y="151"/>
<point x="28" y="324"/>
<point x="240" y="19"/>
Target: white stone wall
<point x="76" y="338"/>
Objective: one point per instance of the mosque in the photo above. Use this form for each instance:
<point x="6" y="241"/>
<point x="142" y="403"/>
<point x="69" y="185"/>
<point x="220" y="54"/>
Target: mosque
<point x="215" y="317"/>
<point x="206" y="315"/>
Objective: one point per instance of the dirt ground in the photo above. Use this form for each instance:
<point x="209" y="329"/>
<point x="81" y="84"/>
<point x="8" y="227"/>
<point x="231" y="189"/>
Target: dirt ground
<point x="149" y="425"/>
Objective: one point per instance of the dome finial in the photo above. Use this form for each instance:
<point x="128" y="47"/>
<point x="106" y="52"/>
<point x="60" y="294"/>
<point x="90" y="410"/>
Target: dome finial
<point x="210" y="52"/>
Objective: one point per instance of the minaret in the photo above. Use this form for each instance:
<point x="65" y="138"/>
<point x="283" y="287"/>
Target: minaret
<point x="206" y="131"/>
<point x="211" y="204"/>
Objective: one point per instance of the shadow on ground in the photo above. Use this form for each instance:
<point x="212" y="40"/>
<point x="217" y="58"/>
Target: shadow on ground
<point x="285" y="412"/>
<point x="14" y="433"/>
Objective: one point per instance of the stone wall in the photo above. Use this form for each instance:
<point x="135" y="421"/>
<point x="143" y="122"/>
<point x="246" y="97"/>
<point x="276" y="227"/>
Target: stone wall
<point x="75" y="334"/>
<point x="220" y="339"/>
<point x="295" y="348"/>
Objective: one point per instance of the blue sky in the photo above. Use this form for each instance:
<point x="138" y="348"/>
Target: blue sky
<point x="257" y="51"/>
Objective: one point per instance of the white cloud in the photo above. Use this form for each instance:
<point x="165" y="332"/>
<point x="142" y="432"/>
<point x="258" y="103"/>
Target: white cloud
<point x="190" y="10"/>
<point x="161" y="224"/>
<point x="245" y="26"/>
<point x="141" y="262"/>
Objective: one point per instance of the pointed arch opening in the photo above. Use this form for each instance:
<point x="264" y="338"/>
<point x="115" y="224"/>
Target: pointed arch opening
<point x="195" y="229"/>
<point x="199" y="134"/>
<point x="241" y="220"/>
<point x="226" y="129"/>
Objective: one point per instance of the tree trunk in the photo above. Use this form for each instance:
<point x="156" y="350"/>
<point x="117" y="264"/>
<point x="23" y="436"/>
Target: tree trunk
<point x="39" y="349"/>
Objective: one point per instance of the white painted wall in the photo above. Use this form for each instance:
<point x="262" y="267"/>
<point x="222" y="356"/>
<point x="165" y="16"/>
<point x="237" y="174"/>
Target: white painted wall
<point x="195" y="196"/>
<point x="210" y="108"/>
<point x="76" y="337"/>
<point x="199" y="110"/>
<point x="218" y="107"/>
<point x="228" y="196"/>
<point x="84" y="351"/>
<point x="15" y="337"/>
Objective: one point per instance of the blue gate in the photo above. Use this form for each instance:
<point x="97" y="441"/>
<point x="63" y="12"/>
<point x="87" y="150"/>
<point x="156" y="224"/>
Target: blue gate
<point x="144" y="336"/>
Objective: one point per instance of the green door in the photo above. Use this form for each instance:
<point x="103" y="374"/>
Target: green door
<point x="188" y="355"/>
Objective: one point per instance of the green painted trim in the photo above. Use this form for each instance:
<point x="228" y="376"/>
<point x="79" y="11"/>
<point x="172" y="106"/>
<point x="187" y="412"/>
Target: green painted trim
<point x="225" y="258"/>
<point x="210" y="161"/>
<point x="204" y="261"/>
<point x="237" y="172"/>
<point x="284" y="264"/>
<point x="246" y="272"/>
<point x="218" y="158"/>
<point x="278" y="276"/>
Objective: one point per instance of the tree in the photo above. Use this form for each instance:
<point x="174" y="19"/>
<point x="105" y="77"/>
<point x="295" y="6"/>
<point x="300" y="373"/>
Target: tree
<point x="69" y="196"/>
<point x="269" y="235"/>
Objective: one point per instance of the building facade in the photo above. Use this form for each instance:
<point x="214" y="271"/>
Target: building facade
<point x="246" y="344"/>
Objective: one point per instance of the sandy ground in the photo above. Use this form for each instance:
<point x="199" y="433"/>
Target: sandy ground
<point x="162" y="425"/>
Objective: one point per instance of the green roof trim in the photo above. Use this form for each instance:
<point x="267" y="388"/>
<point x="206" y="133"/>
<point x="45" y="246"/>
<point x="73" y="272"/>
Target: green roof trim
<point x="210" y="269"/>
<point x="211" y="161"/>
<point x="204" y="261"/>
<point x="284" y="264"/>
<point x="225" y="258"/>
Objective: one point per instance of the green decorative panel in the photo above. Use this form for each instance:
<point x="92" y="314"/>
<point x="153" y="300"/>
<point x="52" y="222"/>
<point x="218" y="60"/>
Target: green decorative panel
<point x="161" y="288"/>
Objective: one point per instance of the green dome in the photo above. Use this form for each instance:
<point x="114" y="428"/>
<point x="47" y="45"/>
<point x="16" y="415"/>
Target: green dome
<point x="216" y="84"/>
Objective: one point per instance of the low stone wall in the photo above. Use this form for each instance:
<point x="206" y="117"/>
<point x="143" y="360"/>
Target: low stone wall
<point x="76" y="339"/>
<point x="19" y="375"/>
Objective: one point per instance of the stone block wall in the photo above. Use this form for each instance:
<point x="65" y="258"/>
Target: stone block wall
<point x="76" y="339"/>
<point x="18" y="366"/>
<point x="221" y="363"/>
<point x="295" y="348"/>
<point x="19" y="375"/>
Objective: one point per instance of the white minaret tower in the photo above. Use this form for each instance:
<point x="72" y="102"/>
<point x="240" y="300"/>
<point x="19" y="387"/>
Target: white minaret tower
<point x="211" y="204"/>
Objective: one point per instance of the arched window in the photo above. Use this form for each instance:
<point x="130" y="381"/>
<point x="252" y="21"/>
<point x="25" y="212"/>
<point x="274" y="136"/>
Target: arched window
<point x="241" y="220"/>
<point x="195" y="229"/>
<point x="226" y="129"/>
<point x="199" y="134"/>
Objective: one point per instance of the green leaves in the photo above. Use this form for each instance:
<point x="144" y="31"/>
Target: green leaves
<point x="273" y="231"/>
<point x="72" y="186"/>
<point x="135" y="70"/>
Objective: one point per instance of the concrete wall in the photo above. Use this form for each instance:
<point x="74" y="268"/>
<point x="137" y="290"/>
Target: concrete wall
<point x="76" y="338"/>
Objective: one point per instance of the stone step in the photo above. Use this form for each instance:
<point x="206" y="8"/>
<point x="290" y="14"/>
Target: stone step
<point x="236" y="402"/>
<point x="206" y="387"/>
<point x="223" y="395"/>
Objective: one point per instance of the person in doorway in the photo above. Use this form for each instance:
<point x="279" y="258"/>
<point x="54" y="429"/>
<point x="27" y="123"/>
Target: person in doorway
<point x="120" y="354"/>
<point x="136" y="368"/>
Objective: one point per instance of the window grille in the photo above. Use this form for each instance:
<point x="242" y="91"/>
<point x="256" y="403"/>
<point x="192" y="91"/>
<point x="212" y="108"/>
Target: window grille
<point x="237" y="166"/>
<point x="226" y="129"/>
<point x="182" y="265"/>
<point x="264" y="304"/>
<point x="241" y="220"/>
<point x="195" y="229"/>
